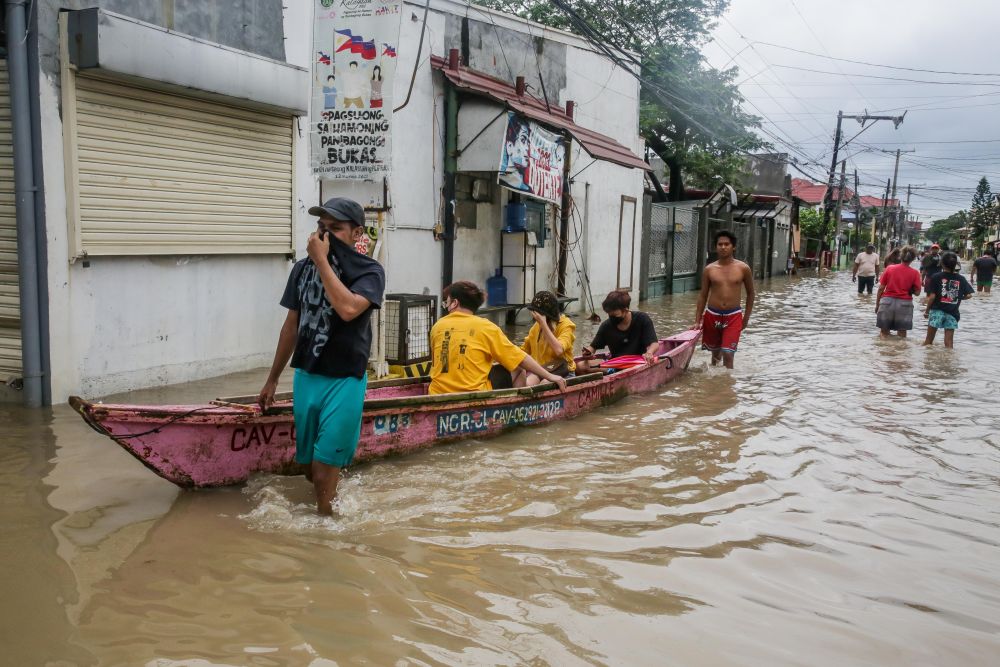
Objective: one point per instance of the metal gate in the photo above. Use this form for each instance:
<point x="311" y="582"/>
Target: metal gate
<point x="660" y="250"/>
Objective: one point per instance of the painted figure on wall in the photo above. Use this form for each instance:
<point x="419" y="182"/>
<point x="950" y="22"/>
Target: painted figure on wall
<point x="354" y="87"/>
<point x="330" y="92"/>
<point x="376" y="87"/>
<point x="514" y="167"/>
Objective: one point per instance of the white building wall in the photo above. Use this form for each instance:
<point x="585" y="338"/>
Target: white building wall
<point x="125" y="323"/>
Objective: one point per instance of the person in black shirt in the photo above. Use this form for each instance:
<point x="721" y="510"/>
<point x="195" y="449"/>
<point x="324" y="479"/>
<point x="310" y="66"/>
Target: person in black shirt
<point x="983" y="270"/>
<point x="945" y="292"/>
<point x="930" y="265"/>
<point x="330" y="297"/>
<point x="625" y="332"/>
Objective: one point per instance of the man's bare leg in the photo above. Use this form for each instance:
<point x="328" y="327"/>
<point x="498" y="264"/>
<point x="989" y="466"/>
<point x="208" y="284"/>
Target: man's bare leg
<point x="901" y="334"/>
<point x="949" y="338"/>
<point x="883" y="333"/>
<point x="325" y="478"/>
<point x="716" y="357"/>
<point x="727" y="360"/>
<point x="929" y="339"/>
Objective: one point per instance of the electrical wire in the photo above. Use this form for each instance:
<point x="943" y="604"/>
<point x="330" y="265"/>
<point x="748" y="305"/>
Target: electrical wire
<point x="870" y="64"/>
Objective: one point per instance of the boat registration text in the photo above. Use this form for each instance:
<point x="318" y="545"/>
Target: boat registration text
<point x="474" y="421"/>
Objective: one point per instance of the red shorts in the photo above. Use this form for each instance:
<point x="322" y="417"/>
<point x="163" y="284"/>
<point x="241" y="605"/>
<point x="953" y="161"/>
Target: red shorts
<point x="721" y="330"/>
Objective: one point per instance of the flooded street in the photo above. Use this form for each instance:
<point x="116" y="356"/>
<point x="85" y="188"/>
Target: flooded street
<point x="835" y="500"/>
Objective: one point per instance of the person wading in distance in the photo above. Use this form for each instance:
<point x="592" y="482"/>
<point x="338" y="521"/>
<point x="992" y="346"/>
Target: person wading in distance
<point x="897" y="287"/>
<point x="718" y="313"/>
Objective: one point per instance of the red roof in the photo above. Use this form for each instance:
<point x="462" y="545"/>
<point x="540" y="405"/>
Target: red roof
<point x="813" y="193"/>
<point x="877" y="202"/>
<point x="599" y="146"/>
<point x="807" y="191"/>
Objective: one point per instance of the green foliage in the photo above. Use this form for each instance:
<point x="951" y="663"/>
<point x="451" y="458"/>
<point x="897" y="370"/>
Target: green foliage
<point x="691" y="114"/>
<point x="810" y="223"/>
<point x="945" y="230"/>
<point x="983" y="215"/>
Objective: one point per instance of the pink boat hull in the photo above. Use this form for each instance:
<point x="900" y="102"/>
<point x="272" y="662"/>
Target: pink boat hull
<point x="217" y="445"/>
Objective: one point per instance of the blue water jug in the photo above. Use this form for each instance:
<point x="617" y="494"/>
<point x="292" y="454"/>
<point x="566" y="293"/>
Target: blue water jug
<point x="517" y="217"/>
<point x="496" y="289"/>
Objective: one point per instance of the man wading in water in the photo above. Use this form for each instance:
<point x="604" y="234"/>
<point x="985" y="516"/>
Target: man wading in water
<point x="722" y="284"/>
<point x="330" y="297"/>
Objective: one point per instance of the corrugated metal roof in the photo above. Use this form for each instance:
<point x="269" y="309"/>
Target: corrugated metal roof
<point x="599" y="146"/>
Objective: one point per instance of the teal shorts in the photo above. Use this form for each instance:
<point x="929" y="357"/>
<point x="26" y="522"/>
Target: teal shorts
<point x="327" y="417"/>
<point x="939" y="319"/>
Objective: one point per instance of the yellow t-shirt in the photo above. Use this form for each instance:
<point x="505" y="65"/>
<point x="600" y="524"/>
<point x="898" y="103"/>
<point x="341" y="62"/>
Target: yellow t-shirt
<point x="536" y="345"/>
<point x="464" y="348"/>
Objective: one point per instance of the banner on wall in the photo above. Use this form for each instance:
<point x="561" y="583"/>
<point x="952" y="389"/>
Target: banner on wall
<point x="531" y="159"/>
<point x="354" y="63"/>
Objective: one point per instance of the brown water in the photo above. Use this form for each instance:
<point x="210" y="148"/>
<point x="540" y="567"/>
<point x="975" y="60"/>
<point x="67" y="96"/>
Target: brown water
<point x="834" y="501"/>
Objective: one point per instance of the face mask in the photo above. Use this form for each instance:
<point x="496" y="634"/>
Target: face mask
<point x="616" y="320"/>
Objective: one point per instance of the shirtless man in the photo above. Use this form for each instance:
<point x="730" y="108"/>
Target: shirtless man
<point x="722" y="283"/>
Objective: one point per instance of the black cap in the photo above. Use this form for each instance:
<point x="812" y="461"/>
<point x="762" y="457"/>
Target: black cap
<point x="341" y="208"/>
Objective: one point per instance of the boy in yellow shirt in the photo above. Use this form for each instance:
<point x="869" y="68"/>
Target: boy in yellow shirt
<point x="550" y="340"/>
<point x="464" y="347"/>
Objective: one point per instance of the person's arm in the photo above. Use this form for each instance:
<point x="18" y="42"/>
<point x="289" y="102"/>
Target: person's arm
<point x="930" y="300"/>
<point x="547" y="334"/>
<point x="282" y="353"/>
<point x="878" y="297"/>
<point x="699" y="310"/>
<point x="347" y="304"/>
<point x="854" y="272"/>
<point x="751" y="294"/>
<point x="532" y="366"/>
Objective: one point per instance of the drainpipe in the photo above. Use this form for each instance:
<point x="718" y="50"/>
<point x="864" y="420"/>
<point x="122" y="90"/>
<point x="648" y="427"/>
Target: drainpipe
<point x="567" y="202"/>
<point x="24" y="190"/>
<point x="450" y="171"/>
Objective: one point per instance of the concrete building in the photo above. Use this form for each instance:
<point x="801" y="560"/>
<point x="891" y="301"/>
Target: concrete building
<point x="170" y="180"/>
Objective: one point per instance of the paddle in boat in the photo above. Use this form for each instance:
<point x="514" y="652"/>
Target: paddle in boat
<point x="228" y="440"/>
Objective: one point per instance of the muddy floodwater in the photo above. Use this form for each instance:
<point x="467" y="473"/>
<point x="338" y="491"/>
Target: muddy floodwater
<point x="834" y="501"/>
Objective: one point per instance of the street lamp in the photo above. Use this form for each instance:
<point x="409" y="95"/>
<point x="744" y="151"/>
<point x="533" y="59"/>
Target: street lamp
<point x="850" y="249"/>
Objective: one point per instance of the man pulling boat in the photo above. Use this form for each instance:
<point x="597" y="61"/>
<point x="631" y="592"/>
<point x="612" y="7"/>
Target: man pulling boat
<point x="327" y="334"/>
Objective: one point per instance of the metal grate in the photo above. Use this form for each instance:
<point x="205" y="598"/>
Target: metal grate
<point x="685" y="241"/>
<point x="659" y="236"/>
<point x="408" y="322"/>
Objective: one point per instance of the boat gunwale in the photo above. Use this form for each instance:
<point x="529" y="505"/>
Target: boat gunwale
<point x="240" y="412"/>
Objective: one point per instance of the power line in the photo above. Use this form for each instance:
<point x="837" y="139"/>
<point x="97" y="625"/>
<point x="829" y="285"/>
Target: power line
<point x="862" y="62"/>
<point x="888" y="78"/>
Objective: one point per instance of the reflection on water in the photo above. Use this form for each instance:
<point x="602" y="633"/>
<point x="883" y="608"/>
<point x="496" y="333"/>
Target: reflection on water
<point x="832" y="501"/>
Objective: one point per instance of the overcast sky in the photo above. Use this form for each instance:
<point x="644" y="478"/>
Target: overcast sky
<point x="800" y="107"/>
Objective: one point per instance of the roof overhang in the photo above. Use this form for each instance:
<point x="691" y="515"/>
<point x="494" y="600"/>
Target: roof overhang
<point x="597" y="145"/>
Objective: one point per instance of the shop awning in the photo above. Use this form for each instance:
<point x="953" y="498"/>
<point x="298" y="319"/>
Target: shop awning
<point x="599" y="146"/>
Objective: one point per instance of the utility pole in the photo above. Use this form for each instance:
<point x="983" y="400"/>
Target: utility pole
<point x="828" y="198"/>
<point x="895" y="174"/>
<point x="840" y="203"/>
<point x="883" y="237"/>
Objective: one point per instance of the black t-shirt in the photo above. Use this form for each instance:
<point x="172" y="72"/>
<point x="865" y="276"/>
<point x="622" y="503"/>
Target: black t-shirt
<point x="985" y="267"/>
<point x="326" y="344"/>
<point x="634" y="340"/>
<point x="949" y="290"/>
<point x="931" y="264"/>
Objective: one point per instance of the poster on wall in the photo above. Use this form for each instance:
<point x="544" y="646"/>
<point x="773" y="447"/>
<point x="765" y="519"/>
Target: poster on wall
<point x="354" y="63"/>
<point x="531" y="159"/>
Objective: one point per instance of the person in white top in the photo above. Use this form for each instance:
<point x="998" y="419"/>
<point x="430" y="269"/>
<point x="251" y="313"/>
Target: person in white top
<point x="865" y="269"/>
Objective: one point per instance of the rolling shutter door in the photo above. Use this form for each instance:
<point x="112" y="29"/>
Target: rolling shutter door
<point x="164" y="173"/>
<point x="10" y="308"/>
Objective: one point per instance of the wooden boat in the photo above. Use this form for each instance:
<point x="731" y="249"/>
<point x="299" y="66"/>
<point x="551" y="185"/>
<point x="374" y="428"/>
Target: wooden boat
<point x="227" y="440"/>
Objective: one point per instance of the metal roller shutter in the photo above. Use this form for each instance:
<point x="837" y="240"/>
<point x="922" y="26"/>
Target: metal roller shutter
<point x="163" y="173"/>
<point x="10" y="307"/>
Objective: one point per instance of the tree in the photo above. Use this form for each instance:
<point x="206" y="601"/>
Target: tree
<point x="810" y="223"/>
<point x="691" y="114"/>
<point x="945" y="230"/>
<point x="983" y="214"/>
